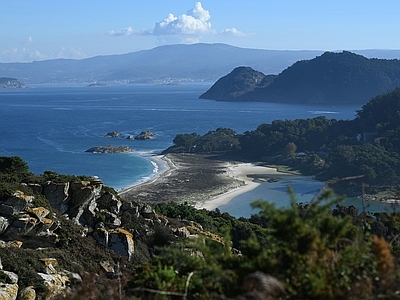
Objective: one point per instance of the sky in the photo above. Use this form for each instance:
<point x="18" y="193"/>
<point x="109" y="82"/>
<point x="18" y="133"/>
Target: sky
<point x="77" y="29"/>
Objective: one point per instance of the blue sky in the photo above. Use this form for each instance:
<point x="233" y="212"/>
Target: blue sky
<point x="38" y="30"/>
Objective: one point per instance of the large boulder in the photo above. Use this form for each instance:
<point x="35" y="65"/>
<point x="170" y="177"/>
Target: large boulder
<point x="57" y="194"/>
<point x="119" y="240"/>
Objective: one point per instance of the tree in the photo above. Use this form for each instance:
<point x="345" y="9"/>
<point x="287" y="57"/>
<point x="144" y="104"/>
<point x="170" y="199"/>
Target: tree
<point x="290" y="149"/>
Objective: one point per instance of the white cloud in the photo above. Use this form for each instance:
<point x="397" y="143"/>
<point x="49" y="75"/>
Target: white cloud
<point x="195" y="22"/>
<point x="29" y="39"/>
<point x="124" y="32"/>
<point x="233" y="32"/>
<point x="185" y="28"/>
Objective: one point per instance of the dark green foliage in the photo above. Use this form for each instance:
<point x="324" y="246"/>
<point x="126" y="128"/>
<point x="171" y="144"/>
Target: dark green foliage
<point x="314" y="253"/>
<point x="220" y="140"/>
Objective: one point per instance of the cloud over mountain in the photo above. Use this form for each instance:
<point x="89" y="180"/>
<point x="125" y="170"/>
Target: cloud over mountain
<point x="189" y="27"/>
<point x="194" y="22"/>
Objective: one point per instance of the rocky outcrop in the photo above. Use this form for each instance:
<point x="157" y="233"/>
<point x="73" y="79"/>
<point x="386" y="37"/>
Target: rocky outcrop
<point x="55" y="281"/>
<point x="113" y="134"/>
<point x="109" y="149"/>
<point x="96" y="210"/>
<point x="145" y="135"/>
<point x="11" y="83"/>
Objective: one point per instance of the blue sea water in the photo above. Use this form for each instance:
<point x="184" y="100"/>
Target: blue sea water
<point x="51" y="126"/>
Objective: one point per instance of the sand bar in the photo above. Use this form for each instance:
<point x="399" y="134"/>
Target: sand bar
<point x="249" y="173"/>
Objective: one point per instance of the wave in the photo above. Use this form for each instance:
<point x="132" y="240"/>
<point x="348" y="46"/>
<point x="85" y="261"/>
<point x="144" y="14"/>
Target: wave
<point x="321" y="112"/>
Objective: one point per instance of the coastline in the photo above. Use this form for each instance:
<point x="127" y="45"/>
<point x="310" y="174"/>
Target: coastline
<point x="250" y="173"/>
<point x="203" y="181"/>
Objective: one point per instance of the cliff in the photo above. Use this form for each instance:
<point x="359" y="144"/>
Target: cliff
<point x="331" y="78"/>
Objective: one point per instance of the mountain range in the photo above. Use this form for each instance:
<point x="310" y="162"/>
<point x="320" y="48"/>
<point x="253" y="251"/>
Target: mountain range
<point x="164" y="64"/>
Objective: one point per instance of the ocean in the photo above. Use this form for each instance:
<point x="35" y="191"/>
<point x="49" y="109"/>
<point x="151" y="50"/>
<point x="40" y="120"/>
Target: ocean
<point x="51" y="126"/>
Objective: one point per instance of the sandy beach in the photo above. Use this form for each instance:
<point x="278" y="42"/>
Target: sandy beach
<point x="249" y="173"/>
<point x="204" y="181"/>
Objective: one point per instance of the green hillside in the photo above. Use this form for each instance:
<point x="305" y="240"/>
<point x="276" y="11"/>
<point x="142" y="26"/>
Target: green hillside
<point x="331" y="78"/>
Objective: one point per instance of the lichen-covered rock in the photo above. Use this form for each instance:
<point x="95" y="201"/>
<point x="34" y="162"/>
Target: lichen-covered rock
<point x="17" y="203"/>
<point x="119" y="240"/>
<point x="8" y="291"/>
<point x="55" y="284"/>
<point x="27" y="293"/>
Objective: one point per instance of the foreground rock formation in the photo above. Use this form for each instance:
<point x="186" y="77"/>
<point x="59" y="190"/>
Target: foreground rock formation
<point x="34" y="219"/>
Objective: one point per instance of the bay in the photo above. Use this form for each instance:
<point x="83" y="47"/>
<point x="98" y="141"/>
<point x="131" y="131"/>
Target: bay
<point x="51" y="126"/>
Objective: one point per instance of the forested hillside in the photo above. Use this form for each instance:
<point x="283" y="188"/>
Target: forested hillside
<point x="330" y="78"/>
<point x="367" y="146"/>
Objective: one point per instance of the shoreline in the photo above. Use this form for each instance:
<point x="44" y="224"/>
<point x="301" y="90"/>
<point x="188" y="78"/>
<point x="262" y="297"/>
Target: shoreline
<point x="250" y="173"/>
<point x="218" y="180"/>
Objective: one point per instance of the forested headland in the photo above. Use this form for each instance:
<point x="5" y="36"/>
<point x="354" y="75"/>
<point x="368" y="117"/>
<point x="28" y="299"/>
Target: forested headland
<point x="366" y="147"/>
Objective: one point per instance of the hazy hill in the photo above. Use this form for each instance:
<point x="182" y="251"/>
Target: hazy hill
<point x="197" y="62"/>
<point x="343" y="77"/>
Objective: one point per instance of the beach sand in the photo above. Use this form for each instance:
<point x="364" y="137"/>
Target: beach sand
<point x="205" y="181"/>
<point x="249" y="173"/>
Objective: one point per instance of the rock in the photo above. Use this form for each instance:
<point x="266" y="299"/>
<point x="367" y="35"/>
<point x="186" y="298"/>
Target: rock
<point x="182" y="232"/>
<point x="49" y="265"/>
<point x="27" y="293"/>
<point x="109" y="149"/>
<point x="130" y="137"/>
<point x="145" y="135"/>
<point x="8" y="291"/>
<point x="113" y="134"/>
<point x="57" y="194"/>
<point x="55" y="284"/>
<point x="119" y="240"/>
<point x="19" y="202"/>
<point x="11" y="276"/>
<point x="10" y="244"/>
<point x="110" y="202"/>
<point x="147" y="212"/>
<point x="39" y="212"/>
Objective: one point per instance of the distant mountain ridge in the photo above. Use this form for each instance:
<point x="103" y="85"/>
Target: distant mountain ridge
<point x="171" y="63"/>
<point x="333" y="77"/>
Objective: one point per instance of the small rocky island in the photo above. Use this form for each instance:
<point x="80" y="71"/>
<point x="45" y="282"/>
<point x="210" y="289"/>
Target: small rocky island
<point x="11" y="83"/>
<point x="144" y="135"/>
<point x="109" y="149"/>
